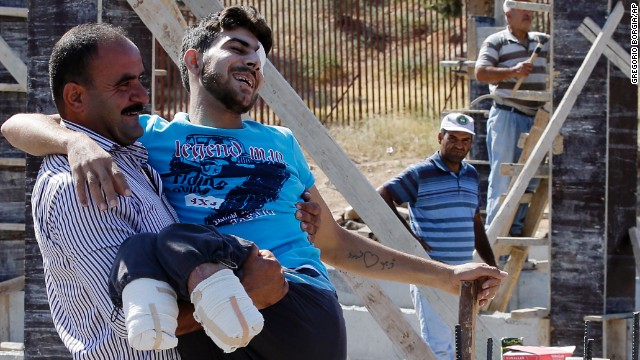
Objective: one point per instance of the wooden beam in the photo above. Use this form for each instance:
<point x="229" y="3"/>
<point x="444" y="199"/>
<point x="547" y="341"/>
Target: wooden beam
<point x="13" y="63"/>
<point x="635" y="244"/>
<point x="516" y="169"/>
<point x="508" y="207"/>
<point x="11" y="227"/>
<point x="14" y="11"/>
<point x="404" y="338"/>
<point x="528" y="6"/>
<point x="513" y="267"/>
<point x="614" y="52"/>
<point x="164" y="20"/>
<point x="530" y="313"/>
<point x="536" y="209"/>
<point x="13" y="162"/>
<point x="467" y="312"/>
<point x="15" y="284"/>
<point x="522" y="241"/>
<point x="12" y="88"/>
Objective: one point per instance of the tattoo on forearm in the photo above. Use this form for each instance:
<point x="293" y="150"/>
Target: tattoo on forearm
<point x="370" y="260"/>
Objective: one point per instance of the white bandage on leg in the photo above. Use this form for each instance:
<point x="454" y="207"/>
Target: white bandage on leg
<point x="225" y="311"/>
<point x="151" y="314"/>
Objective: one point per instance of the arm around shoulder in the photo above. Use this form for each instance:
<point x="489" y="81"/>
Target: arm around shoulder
<point x="38" y="134"/>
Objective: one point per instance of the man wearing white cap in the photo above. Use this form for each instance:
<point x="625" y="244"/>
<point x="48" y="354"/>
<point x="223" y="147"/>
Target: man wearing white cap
<point x="443" y="197"/>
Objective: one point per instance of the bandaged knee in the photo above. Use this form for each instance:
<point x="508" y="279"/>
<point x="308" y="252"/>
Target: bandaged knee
<point x="151" y="314"/>
<point x="225" y="311"/>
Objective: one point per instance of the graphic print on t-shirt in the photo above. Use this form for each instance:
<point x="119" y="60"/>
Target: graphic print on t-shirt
<point x="218" y="173"/>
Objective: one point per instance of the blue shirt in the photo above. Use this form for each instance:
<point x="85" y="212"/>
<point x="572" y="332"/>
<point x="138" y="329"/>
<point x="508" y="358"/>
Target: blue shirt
<point x="244" y="181"/>
<point x="442" y="205"/>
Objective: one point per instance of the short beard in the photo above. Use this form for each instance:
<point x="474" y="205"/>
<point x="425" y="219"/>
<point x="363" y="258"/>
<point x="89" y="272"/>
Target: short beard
<point x="211" y="82"/>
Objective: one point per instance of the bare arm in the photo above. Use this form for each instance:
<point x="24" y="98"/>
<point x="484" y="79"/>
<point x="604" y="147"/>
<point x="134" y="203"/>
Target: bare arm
<point x="492" y="74"/>
<point x="38" y="134"/>
<point x="388" y="198"/>
<point x="91" y="166"/>
<point x="360" y="255"/>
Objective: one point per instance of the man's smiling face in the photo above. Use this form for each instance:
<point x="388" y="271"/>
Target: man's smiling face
<point x="231" y="70"/>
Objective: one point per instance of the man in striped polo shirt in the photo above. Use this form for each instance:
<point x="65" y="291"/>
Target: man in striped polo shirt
<point x="502" y="61"/>
<point x="443" y="197"/>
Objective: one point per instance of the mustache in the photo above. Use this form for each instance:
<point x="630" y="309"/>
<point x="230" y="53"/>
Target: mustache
<point x="133" y="108"/>
<point x="243" y="68"/>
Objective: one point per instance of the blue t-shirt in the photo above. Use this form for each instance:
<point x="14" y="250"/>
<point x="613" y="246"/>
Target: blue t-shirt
<point x="442" y="205"/>
<point x="245" y="182"/>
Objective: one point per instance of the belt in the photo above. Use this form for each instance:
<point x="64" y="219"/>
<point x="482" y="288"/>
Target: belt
<point x="509" y="108"/>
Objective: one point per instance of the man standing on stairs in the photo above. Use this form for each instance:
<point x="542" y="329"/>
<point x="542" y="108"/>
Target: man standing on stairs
<point x="443" y="197"/>
<point x="504" y="60"/>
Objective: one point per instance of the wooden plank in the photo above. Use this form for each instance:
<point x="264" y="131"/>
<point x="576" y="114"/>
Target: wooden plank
<point x="165" y="21"/>
<point x="14" y="11"/>
<point x="315" y="138"/>
<point x="510" y="204"/>
<point x="467" y="319"/>
<point x="15" y="284"/>
<point x="607" y="317"/>
<point x="530" y="313"/>
<point x="614" y="52"/>
<point x="13" y="63"/>
<point x="11" y="227"/>
<point x="522" y="241"/>
<point x="635" y="243"/>
<point x="614" y="343"/>
<point x="516" y="169"/>
<point x="536" y="209"/>
<point x="404" y="338"/>
<point x="13" y="162"/>
<point x="513" y="266"/>
<point x="528" y="6"/>
<point x="4" y="87"/>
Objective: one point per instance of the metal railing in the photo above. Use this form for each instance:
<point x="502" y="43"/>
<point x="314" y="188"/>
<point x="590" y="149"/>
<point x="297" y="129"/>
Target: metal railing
<point x="350" y="60"/>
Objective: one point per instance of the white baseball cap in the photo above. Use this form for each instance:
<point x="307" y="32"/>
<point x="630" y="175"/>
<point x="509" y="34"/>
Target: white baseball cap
<point x="458" y="122"/>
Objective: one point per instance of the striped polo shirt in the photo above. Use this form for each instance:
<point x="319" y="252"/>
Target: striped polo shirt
<point x="442" y="205"/>
<point x="78" y="246"/>
<point x="503" y="49"/>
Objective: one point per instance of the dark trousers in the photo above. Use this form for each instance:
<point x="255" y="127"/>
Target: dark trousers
<point x="306" y="324"/>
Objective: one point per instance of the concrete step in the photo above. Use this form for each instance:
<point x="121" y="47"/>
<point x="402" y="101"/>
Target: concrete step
<point x="11" y="351"/>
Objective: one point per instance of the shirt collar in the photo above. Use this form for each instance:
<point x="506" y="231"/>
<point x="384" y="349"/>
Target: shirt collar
<point x="512" y="38"/>
<point x="136" y="150"/>
<point x="439" y="163"/>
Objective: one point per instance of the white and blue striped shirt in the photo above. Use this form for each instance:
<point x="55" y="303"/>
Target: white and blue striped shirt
<point x="79" y="244"/>
<point x="442" y="205"/>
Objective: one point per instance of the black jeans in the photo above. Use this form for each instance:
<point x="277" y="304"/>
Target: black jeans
<point x="172" y="254"/>
<point x="306" y="324"/>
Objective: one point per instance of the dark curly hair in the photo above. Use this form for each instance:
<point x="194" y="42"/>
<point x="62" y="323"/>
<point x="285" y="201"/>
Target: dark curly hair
<point x="72" y="55"/>
<point x="202" y="34"/>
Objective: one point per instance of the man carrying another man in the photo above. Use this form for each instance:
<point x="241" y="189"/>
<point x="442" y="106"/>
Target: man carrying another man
<point x="240" y="176"/>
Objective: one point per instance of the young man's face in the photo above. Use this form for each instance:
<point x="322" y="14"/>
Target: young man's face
<point x="454" y="146"/>
<point x="116" y="96"/>
<point x="231" y="70"/>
